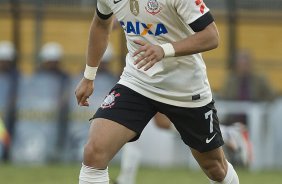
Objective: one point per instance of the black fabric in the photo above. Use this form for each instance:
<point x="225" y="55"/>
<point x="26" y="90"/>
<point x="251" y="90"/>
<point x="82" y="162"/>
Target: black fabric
<point x="196" y="97"/>
<point x="134" y="111"/>
<point x="202" y="22"/>
<point x="103" y="16"/>
<point x="127" y="108"/>
<point x="194" y="124"/>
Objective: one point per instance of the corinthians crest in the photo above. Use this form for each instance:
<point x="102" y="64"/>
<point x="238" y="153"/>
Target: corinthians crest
<point x="153" y="7"/>
<point x="134" y="7"/>
<point x="109" y="101"/>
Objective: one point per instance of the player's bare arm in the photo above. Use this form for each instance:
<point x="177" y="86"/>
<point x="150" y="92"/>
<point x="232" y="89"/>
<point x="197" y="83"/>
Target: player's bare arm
<point x="201" y="41"/>
<point x="97" y="44"/>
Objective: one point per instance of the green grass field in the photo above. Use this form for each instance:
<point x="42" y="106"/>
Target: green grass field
<point x="67" y="174"/>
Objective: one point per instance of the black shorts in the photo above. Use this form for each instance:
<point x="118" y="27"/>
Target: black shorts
<point x="198" y="127"/>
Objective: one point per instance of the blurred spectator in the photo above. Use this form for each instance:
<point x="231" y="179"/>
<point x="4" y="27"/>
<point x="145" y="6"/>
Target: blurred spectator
<point x="8" y="82"/>
<point x="50" y="59"/>
<point x="7" y="56"/>
<point x="244" y="83"/>
<point x="50" y="56"/>
<point x="79" y="116"/>
<point x="42" y="108"/>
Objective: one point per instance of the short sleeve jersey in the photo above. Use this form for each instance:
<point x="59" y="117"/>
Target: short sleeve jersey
<point x="179" y="81"/>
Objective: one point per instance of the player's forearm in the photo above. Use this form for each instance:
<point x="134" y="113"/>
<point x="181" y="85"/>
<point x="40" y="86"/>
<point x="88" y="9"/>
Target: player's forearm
<point x="98" y="40"/>
<point x="202" y="41"/>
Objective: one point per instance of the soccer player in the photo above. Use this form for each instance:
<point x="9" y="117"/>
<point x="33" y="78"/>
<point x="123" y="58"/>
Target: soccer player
<point x="164" y="73"/>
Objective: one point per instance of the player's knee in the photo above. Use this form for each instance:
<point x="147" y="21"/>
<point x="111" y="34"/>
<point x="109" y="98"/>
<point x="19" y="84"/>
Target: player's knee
<point x="95" y="155"/>
<point x="216" y="170"/>
<point x="88" y="151"/>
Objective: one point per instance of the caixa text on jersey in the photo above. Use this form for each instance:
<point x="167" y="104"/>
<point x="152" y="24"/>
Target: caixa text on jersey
<point x="139" y="28"/>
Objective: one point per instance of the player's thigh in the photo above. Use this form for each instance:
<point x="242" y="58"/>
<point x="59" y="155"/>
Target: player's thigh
<point x="104" y="140"/>
<point x="109" y="136"/>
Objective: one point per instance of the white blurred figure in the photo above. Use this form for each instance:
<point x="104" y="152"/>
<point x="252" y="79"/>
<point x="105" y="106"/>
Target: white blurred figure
<point x="7" y="57"/>
<point x="50" y="56"/>
<point x="132" y="154"/>
<point x="237" y="147"/>
<point x="7" y="51"/>
<point x="42" y="103"/>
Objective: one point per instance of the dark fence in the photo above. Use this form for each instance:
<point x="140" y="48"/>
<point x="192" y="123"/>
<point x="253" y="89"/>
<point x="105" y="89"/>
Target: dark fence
<point x="268" y="5"/>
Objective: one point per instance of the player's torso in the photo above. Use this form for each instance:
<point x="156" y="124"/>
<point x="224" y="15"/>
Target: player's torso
<point x="158" y="22"/>
<point x="154" y="20"/>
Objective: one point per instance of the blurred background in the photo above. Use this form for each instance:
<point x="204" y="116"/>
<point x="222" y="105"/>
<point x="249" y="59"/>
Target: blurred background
<point x="42" y="56"/>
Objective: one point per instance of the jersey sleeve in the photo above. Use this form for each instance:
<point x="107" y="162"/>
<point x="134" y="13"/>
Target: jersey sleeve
<point x="103" y="10"/>
<point x="194" y="13"/>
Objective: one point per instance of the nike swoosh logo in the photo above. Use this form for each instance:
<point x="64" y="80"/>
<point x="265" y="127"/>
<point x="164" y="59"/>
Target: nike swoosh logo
<point x="117" y="1"/>
<point x="209" y="140"/>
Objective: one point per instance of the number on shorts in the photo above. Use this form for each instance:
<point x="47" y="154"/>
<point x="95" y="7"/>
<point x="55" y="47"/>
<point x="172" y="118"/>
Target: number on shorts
<point x="207" y="116"/>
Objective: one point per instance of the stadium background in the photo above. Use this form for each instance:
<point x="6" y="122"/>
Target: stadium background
<point x="257" y="28"/>
<point x="255" y="25"/>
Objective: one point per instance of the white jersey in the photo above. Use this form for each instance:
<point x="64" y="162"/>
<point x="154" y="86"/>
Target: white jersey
<point x="179" y="81"/>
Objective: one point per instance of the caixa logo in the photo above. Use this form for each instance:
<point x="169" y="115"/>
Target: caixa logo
<point x="139" y="28"/>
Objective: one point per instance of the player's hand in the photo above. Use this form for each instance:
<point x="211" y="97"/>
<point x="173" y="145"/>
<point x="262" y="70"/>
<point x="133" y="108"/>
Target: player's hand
<point x="83" y="90"/>
<point x="149" y="55"/>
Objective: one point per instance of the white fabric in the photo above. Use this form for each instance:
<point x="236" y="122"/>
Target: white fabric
<point x="189" y="11"/>
<point x="103" y="7"/>
<point x="130" y="162"/>
<point x="230" y="178"/>
<point x="173" y="80"/>
<point x="90" y="72"/>
<point x="7" y="51"/>
<point x="51" y="51"/>
<point x="233" y="135"/>
<point x="168" y="49"/>
<point x="89" y="175"/>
